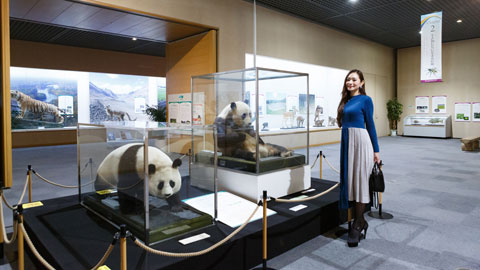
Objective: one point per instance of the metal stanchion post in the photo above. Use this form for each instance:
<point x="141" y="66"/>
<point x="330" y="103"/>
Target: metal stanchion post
<point x="380" y="214"/>
<point x="264" y="235"/>
<point x="189" y="161"/>
<point x="123" y="247"/>
<point x="321" y="159"/>
<point x="29" y="172"/>
<point x="21" y="250"/>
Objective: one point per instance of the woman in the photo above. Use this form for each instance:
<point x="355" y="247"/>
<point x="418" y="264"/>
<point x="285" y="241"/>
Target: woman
<point x="359" y="150"/>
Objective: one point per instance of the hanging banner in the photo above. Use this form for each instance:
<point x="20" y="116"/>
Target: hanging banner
<point x="431" y="47"/>
<point x="439" y="104"/>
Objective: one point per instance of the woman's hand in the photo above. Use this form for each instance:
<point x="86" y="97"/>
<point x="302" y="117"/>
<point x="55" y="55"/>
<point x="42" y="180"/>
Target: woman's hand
<point x="376" y="157"/>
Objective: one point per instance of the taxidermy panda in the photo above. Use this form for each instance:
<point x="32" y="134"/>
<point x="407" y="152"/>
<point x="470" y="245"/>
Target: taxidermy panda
<point x="236" y="136"/>
<point x="123" y="169"/>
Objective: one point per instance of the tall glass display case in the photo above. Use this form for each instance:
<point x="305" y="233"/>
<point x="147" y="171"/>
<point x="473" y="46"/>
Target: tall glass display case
<point x="428" y="126"/>
<point x="243" y="103"/>
<point x="138" y="174"/>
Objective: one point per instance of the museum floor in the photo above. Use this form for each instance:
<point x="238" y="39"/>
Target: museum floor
<point x="432" y="189"/>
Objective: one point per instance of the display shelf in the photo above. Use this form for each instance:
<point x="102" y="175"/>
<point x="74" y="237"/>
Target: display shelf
<point x="439" y="126"/>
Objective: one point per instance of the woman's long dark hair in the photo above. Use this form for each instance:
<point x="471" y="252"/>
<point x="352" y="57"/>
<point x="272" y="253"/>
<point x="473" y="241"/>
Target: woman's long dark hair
<point x="346" y="96"/>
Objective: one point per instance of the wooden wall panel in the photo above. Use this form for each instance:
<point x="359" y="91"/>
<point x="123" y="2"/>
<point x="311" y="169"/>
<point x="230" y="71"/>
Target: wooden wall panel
<point x="6" y="143"/>
<point x="193" y="56"/>
<point x="186" y="58"/>
<point x="43" y="55"/>
<point x="33" y="138"/>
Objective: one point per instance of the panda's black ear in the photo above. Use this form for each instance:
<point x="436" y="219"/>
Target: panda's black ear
<point x="151" y="169"/>
<point x="233" y="106"/>
<point x="176" y="163"/>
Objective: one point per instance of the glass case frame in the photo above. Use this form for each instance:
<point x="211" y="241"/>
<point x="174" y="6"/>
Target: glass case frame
<point x="97" y="140"/>
<point x="208" y="89"/>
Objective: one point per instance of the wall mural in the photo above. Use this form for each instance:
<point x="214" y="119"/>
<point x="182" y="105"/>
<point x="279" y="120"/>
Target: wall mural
<point x="44" y="98"/>
<point x="325" y="84"/>
<point x="115" y="97"/>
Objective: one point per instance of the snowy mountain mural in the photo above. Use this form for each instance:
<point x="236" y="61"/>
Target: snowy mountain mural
<point x="112" y="97"/>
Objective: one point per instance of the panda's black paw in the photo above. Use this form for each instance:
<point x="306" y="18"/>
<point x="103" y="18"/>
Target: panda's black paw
<point x="176" y="208"/>
<point x="250" y="156"/>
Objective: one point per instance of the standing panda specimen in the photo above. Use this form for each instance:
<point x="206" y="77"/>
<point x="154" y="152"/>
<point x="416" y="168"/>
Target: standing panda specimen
<point x="123" y="169"/>
<point x="236" y="136"/>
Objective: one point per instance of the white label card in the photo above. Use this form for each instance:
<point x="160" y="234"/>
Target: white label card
<point x="194" y="238"/>
<point x="298" y="207"/>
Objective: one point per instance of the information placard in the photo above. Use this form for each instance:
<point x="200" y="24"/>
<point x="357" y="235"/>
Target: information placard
<point x="462" y="111"/>
<point x="476" y="111"/>
<point x="439" y="104"/>
<point x="180" y="109"/>
<point x="232" y="209"/>
<point x="422" y="104"/>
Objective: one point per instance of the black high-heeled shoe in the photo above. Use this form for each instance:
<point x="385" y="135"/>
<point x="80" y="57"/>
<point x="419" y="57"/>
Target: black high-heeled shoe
<point x="355" y="234"/>
<point x="365" y="228"/>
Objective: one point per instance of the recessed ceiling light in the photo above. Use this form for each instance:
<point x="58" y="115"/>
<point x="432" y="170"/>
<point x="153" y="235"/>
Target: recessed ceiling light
<point x="134" y="38"/>
<point x="352" y="1"/>
<point x="459" y="21"/>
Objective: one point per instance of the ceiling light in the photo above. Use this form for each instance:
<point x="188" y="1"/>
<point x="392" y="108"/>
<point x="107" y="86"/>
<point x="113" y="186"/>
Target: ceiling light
<point x="459" y="21"/>
<point x="134" y="38"/>
<point x="353" y="1"/>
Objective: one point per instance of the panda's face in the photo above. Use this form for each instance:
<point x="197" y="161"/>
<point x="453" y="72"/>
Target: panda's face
<point x="164" y="181"/>
<point x="241" y="114"/>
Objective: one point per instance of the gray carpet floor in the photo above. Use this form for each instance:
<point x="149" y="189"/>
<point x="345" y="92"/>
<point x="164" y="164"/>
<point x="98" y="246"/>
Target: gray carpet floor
<point x="432" y="190"/>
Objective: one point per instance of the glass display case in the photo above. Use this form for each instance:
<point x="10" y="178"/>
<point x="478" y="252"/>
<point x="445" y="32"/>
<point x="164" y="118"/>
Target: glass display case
<point x="243" y="105"/>
<point x="428" y="126"/>
<point x="138" y="174"/>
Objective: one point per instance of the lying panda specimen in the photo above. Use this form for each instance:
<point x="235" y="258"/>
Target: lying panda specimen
<point x="236" y="136"/>
<point x="123" y="169"/>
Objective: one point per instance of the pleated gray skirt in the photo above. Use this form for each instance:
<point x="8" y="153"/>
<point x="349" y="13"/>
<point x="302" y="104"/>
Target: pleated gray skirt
<point x="360" y="164"/>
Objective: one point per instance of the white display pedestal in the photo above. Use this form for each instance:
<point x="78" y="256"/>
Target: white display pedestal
<point x="251" y="186"/>
<point x="276" y="183"/>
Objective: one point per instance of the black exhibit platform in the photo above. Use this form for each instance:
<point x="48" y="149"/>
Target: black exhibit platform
<point x="163" y="222"/>
<point x="70" y="237"/>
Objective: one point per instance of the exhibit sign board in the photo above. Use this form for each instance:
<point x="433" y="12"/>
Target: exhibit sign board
<point x="198" y="110"/>
<point x="180" y="109"/>
<point x="431" y="47"/>
<point x="232" y="209"/>
<point x="65" y="104"/>
<point x="422" y="104"/>
<point x="476" y="111"/>
<point x="462" y="111"/>
<point x="439" y="104"/>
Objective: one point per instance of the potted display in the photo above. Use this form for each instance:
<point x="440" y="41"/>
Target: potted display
<point x="394" y="109"/>
<point x="157" y="113"/>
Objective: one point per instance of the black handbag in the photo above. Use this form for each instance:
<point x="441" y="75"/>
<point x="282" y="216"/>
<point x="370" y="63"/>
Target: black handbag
<point x="377" y="183"/>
